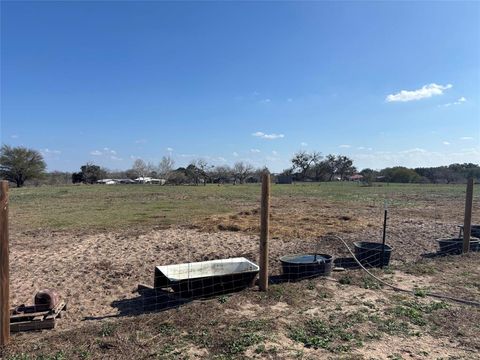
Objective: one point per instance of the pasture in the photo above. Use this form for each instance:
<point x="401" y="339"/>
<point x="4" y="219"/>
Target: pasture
<point x="95" y="244"/>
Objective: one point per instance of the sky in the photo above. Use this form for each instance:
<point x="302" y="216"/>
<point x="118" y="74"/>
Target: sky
<point x="386" y="83"/>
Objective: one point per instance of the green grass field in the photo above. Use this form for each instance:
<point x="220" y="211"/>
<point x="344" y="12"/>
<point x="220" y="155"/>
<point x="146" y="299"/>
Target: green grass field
<point x="111" y="207"/>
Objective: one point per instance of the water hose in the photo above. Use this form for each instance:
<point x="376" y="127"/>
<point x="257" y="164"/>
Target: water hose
<point x="396" y="288"/>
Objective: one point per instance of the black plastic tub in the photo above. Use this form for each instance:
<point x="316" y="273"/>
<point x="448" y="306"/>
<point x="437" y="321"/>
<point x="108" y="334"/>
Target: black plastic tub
<point x="474" y="230"/>
<point x="372" y="254"/>
<point x="455" y="245"/>
<point x="302" y="266"/>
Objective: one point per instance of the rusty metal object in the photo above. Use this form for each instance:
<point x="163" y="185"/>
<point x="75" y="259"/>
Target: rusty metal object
<point x="46" y="299"/>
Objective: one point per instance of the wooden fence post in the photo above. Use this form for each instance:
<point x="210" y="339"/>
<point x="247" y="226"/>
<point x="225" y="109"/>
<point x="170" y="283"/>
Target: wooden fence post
<point x="264" y="231"/>
<point x="467" y="223"/>
<point x="4" y="267"/>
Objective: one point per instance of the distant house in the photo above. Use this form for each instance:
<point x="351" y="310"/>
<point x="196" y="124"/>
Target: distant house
<point x="149" y="180"/>
<point x="126" y="181"/>
<point x="356" y="177"/>
<point x="107" y="181"/>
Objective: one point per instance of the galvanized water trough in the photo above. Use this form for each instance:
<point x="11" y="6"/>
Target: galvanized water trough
<point x="206" y="278"/>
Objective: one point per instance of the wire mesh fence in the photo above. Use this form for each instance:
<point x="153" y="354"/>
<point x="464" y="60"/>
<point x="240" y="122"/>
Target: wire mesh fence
<point x="198" y="274"/>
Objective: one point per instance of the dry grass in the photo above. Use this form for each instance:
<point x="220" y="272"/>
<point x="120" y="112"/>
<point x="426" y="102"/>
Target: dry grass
<point x="347" y="317"/>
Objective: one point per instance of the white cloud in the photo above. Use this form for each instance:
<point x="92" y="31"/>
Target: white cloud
<point x="96" y="153"/>
<point x="268" y="136"/>
<point x="50" y="152"/>
<point x="445" y="143"/>
<point x="235" y="154"/>
<point x="274" y="152"/>
<point x="345" y="146"/>
<point x="113" y="157"/>
<point x="466" y="138"/>
<point x="303" y="144"/>
<point x="254" y="151"/>
<point x="460" y="101"/>
<point x="265" y="101"/>
<point x="416" y="157"/>
<point x="140" y="141"/>
<point x="169" y="149"/>
<point x="426" y="91"/>
<point x="14" y="136"/>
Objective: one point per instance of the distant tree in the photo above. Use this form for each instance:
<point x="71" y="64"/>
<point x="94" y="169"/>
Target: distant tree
<point x="331" y="165"/>
<point x="302" y="161"/>
<point x="92" y="173"/>
<point x="77" y="177"/>
<point x="165" y="167"/>
<point x="18" y="164"/>
<point x="241" y="171"/>
<point x="400" y="174"/>
<point x="178" y="176"/>
<point x="143" y="169"/>
<point x="369" y="175"/>
<point x="222" y="174"/>
<point x="192" y="173"/>
<point x="131" y="174"/>
<point x="345" y="167"/>
<point x="204" y="170"/>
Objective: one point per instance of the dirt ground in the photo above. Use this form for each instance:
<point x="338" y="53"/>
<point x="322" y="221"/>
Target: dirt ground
<point x="99" y="272"/>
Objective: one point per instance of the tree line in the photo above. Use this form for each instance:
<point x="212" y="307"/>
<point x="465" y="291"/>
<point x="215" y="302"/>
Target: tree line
<point x="21" y="165"/>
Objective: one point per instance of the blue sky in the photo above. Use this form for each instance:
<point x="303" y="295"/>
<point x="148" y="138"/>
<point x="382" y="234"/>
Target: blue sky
<point x="106" y="82"/>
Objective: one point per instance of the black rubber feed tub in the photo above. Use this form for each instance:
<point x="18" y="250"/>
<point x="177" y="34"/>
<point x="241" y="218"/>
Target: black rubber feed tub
<point x="302" y="266"/>
<point x="371" y="254"/>
<point x="455" y="245"/>
<point x="474" y="230"/>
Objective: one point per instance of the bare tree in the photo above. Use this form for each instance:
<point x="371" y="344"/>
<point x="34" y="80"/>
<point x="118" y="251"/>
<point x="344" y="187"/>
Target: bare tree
<point x="141" y="168"/>
<point x="222" y="174"/>
<point x="204" y="170"/>
<point x="165" y="167"/>
<point x="241" y="171"/>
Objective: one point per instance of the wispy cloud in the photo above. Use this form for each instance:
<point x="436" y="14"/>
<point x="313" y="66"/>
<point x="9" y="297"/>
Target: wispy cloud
<point x="14" y="136"/>
<point x="460" y="101"/>
<point x="50" y="152"/>
<point x="96" y="153"/>
<point x="169" y="149"/>
<point x="268" y="136"/>
<point x="235" y="154"/>
<point x="140" y="141"/>
<point x="466" y="138"/>
<point x="109" y="151"/>
<point x="275" y="153"/>
<point x="265" y="101"/>
<point x="303" y="144"/>
<point x="255" y="151"/>
<point x="445" y="143"/>
<point x="424" y="92"/>
<point x="344" y="146"/>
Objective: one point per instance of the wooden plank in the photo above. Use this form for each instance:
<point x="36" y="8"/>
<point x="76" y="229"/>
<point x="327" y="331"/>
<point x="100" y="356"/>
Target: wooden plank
<point x="264" y="231"/>
<point x="4" y="267"/>
<point x="32" y="325"/>
<point x="467" y="224"/>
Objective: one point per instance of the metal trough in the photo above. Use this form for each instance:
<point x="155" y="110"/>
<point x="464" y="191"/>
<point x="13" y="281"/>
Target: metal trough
<point x="206" y="278"/>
